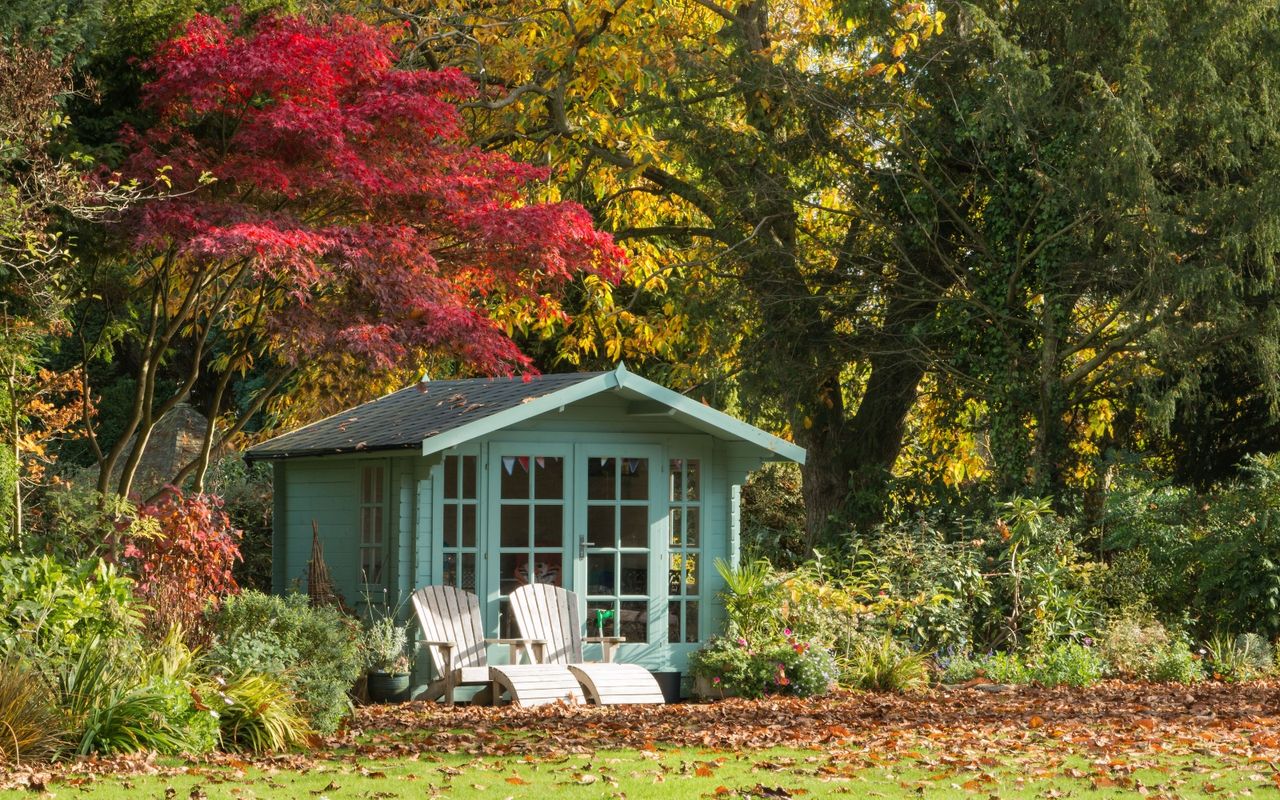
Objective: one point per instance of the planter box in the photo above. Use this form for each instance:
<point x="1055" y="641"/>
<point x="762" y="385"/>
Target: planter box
<point x="704" y="688"/>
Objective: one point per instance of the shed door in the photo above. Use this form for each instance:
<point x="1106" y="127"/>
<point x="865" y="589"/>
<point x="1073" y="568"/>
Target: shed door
<point x="621" y="549"/>
<point x="530" y="513"/>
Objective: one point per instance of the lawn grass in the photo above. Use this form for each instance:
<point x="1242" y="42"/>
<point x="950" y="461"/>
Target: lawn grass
<point x="680" y="773"/>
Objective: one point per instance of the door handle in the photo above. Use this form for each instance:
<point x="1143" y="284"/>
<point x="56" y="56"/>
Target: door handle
<point x="582" y="546"/>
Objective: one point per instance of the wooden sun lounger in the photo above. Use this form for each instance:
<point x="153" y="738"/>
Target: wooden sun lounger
<point x="549" y="614"/>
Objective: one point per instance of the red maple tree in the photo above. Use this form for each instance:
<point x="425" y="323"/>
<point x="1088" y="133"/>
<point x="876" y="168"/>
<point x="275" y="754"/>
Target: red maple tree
<point x="348" y="214"/>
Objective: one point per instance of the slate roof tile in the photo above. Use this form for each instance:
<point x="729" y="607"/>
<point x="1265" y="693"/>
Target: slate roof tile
<point x="401" y="420"/>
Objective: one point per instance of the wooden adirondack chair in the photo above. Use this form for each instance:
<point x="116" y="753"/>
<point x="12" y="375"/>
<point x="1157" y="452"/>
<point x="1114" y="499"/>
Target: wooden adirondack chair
<point x="549" y="614"/>
<point x="453" y="634"/>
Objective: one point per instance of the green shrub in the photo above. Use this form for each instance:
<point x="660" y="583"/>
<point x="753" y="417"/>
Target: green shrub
<point x="31" y="726"/>
<point x="52" y="609"/>
<point x="1177" y="664"/>
<point x="790" y="666"/>
<point x="886" y="665"/>
<point x="1069" y="663"/>
<point x="1138" y="646"/>
<point x="1132" y="644"/>
<point x="258" y="714"/>
<point x="1004" y="668"/>
<point x="935" y="565"/>
<point x="315" y="652"/>
<point x="731" y="666"/>
<point x="960" y="668"/>
<point x="1047" y="590"/>
<point x="1213" y="553"/>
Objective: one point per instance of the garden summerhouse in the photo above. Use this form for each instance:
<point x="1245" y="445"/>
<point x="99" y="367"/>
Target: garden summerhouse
<point x="604" y="483"/>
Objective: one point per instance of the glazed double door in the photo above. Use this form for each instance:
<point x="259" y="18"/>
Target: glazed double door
<point x="589" y="518"/>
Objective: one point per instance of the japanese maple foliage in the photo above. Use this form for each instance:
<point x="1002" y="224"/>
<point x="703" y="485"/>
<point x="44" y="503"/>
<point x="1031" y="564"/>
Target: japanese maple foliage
<point x="348" y="212"/>
<point x="184" y="565"/>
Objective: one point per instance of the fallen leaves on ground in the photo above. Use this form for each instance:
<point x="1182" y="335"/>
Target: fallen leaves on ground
<point x="960" y="736"/>
<point x="1241" y="720"/>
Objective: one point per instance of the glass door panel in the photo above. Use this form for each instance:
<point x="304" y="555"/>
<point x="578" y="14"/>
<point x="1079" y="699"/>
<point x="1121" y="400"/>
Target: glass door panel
<point x="530" y="491"/>
<point x="617" y="540"/>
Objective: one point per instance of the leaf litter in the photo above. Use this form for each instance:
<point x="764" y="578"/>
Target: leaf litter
<point x="1146" y="738"/>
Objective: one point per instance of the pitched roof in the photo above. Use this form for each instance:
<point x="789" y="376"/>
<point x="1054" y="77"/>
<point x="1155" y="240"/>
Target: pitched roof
<point x="437" y="415"/>
<point x="403" y="419"/>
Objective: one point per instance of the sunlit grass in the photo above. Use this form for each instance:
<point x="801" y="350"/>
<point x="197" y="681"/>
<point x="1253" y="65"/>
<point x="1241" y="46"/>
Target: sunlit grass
<point x="686" y="773"/>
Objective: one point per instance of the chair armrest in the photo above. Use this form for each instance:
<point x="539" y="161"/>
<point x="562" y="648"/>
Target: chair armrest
<point x="534" y="649"/>
<point x="604" y="639"/>
<point x="437" y="644"/>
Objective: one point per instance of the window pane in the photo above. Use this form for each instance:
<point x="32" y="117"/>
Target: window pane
<point x="468" y="526"/>
<point x="610" y="627"/>
<point x="514" y="482"/>
<point x="675" y="575"/>
<point x="512" y="565"/>
<point x="377" y="524"/>
<point x="691" y="621"/>
<point x="635" y="573"/>
<point x="548" y="526"/>
<point x="693" y="480"/>
<point x="366" y="482"/>
<point x="635" y="526"/>
<point x="691" y="524"/>
<point x="377" y="485"/>
<point x="600" y="577"/>
<point x="449" y="569"/>
<point x="506" y="622"/>
<point x="691" y="577"/>
<point x="449" y="534"/>
<point x="633" y="621"/>
<point x="635" y="478"/>
<point x="548" y="478"/>
<point x="451" y="476"/>
<point x="673" y="621"/>
<point x="468" y="581"/>
<point x="600" y="531"/>
<point x="469" y="477"/>
<point x="514" y="530"/>
<point x="546" y="569"/>
<point x="371" y="565"/>
<point x="677" y="534"/>
<point x="601" y="477"/>
<point x="677" y="479"/>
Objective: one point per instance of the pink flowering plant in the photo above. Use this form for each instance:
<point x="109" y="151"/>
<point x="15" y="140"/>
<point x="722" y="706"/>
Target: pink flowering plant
<point x="791" y="665"/>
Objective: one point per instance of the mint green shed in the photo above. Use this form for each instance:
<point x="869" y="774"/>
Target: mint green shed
<point x="607" y="484"/>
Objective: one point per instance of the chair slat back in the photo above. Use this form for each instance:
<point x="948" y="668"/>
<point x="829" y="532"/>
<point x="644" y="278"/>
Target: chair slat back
<point x="550" y="613"/>
<point x="448" y="614"/>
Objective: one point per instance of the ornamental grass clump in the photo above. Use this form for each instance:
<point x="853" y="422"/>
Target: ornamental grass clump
<point x="31" y="726"/>
<point x="886" y="665"/>
<point x="258" y="714"/>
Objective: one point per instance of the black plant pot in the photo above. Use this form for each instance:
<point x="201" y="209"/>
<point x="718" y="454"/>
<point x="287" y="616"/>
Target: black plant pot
<point x="385" y="687"/>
